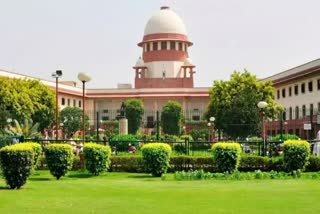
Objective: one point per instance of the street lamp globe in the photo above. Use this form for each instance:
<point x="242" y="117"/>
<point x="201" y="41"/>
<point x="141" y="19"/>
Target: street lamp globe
<point x="84" y="77"/>
<point x="212" y="119"/>
<point x="262" y="104"/>
<point x="209" y="124"/>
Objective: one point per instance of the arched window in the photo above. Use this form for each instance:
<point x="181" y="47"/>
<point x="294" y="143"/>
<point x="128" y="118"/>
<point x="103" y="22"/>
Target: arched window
<point x="63" y="101"/>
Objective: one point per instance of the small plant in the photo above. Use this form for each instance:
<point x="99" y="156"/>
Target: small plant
<point x="156" y="158"/>
<point x="16" y="162"/>
<point x="59" y="159"/>
<point x="227" y="156"/>
<point x="258" y="174"/>
<point x="97" y="157"/>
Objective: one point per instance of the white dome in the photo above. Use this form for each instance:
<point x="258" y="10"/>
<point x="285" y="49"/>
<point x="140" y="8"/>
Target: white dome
<point x="165" y="21"/>
<point x="140" y="62"/>
<point x="188" y="62"/>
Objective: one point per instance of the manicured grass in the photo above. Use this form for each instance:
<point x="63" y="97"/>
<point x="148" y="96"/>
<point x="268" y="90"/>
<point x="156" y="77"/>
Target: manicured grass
<point x="139" y="193"/>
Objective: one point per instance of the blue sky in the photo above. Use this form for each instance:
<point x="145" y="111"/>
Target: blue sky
<point x="100" y="36"/>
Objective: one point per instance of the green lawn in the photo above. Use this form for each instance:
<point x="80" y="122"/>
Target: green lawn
<point x="139" y="193"/>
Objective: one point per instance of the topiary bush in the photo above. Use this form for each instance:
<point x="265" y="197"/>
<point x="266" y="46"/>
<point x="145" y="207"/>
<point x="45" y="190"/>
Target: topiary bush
<point x="226" y="156"/>
<point x="37" y="150"/>
<point x="296" y="154"/>
<point x="156" y="158"/>
<point x="59" y="159"/>
<point x="97" y="157"/>
<point x="16" y="162"/>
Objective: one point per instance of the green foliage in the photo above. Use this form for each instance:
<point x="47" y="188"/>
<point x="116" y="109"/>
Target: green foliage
<point x="192" y="175"/>
<point x="59" y="158"/>
<point x="156" y="158"/>
<point x="171" y="117"/>
<point x="284" y="137"/>
<point x="16" y="162"/>
<point x="253" y="162"/>
<point x="130" y="163"/>
<point x="186" y="137"/>
<point x="121" y="142"/>
<point x="227" y="156"/>
<point x="313" y="164"/>
<point x="199" y="134"/>
<point x="5" y="140"/>
<point x="24" y="99"/>
<point x="71" y="117"/>
<point x="27" y="129"/>
<point x="134" y="111"/>
<point x="37" y="150"/>
<point x="296" y="154"/>
<point x="97" y="157"/>
<point x="233" y="103"/>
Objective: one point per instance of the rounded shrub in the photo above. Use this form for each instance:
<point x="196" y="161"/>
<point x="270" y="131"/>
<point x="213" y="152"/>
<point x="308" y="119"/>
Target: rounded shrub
<point x="16" y="162"/>
<point x="296" y="154"/>
<point x="37" y="150"/>
<point x="156" y="158"/>
<point x="97" y="157"/>
<point x="59" y="159"/>
<point x="226" y="156"/>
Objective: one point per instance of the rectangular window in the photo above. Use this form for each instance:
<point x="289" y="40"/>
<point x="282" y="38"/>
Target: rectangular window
<point x="283" y="92"/>
<point x="318" y="81"/>
<point x="163" y="45"/>
<point x="172" y="45"/>
<point x="290" y="91"/>
<point x="196" y="117"/>
<point x="105" y="111"/>
<point x="155" y="46"/>
<point x="310" y="86"/>
<point x="63" y="102"/>
<point x="79" y="103"/>
<point x="150" y="122"/>
<point x="278" y="94"/>
<point x="148" y="47"/>
<point x="105" y="118"/>
<point x="318" y="107"/>
<point x="311" y="109"/>
<point x="180" y="46"/>
<point x="296" y="90"/>
<point x="68" y="102"/>
<point x="297" y="113"/>
<point x="74" y="103"/>
<point x="303" y="88"/>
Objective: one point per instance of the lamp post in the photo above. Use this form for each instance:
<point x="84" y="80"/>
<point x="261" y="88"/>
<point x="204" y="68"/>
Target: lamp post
<point x="211" y="120"/>
<point x="57" y="75"/>
<point x="83" y="77"/>
<point x="262" y="105"/>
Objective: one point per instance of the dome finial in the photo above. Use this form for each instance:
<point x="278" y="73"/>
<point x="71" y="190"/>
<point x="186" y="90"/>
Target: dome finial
<point x="164" y="8"/>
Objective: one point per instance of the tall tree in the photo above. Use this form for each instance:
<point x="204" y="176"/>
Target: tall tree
<point x="71" y="118"/>
<point x="25" y="99"/>
<point x="171" y="117"/>
<point x="233" y="103"/>
<point x="134" y="111"/>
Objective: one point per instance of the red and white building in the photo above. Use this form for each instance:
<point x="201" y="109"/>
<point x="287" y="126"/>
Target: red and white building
<point x="165" y="72"/>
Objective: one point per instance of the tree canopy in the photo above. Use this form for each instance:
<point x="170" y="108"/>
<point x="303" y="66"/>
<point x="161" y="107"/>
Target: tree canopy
<point x="134" y="111"/>
<point x="23" y="99"/>
<point x="171" y="117"/>
<point x="233" y="103"/>
<point x="71" y="119"/>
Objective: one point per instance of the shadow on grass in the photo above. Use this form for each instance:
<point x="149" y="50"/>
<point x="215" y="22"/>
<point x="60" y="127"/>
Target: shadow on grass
<point x="39" y="179"/>
<point x="4" y="188"/>
<point x="140" y="176"/>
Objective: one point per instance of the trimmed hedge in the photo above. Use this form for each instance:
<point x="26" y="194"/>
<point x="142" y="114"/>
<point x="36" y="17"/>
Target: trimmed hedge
<point x="37" y="150"/>
<point x="16" y="162"/>
<point x="59" y="159"/>
<point x="97" y="157"/>
<point x="227" y="156"/>
<point x="132" y="163"/>
<point x="296" y="154"/>
<point x="156" y="158"/>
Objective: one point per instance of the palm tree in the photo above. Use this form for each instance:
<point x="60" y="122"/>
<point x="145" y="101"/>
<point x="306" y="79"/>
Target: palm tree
<point x="27" y="129"/>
